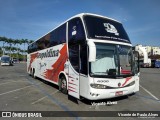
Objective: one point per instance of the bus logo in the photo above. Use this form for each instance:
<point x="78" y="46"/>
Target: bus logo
<point x="48" y="53"/>
<point x="110" y="28"/>
<point x="119" y="84"/>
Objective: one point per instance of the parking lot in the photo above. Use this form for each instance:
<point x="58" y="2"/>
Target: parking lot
<point x="20" y="92"/>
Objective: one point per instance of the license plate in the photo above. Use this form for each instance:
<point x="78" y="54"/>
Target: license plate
<point x="118" y="93"/>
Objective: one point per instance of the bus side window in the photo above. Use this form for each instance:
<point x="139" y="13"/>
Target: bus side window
<point x="76" y="37"/>
<point x="75" y="31"/>
<point x="58" y="36"/>
<point x="32" y="48"/>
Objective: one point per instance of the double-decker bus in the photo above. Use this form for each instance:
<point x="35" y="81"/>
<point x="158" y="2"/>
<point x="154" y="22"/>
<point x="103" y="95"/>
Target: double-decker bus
<point x="88" y="56"/>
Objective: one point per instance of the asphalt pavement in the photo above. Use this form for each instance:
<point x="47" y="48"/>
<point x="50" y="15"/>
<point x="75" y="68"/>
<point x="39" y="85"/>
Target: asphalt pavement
<point x="20" y="92"/>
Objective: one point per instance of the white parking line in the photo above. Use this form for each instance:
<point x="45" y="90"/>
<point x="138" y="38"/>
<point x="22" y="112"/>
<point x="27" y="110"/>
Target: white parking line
<point x="12" y="82"/>
<point x="149" y="93"/>
<point x="44" y="97"/>
<point x="17" y="89"/>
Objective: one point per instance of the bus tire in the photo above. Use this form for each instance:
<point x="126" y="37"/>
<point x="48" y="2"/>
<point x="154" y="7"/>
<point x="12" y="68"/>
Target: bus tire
<point x="30" y="72"/>
<point x="63" y="85"/>
<point x="33" y="73"/>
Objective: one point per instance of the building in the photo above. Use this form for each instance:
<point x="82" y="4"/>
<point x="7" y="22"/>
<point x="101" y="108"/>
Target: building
<point x="155" y="50"/>
<point x="149" y="49"/>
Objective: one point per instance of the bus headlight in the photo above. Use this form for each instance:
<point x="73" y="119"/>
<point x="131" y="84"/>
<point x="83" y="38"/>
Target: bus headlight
<point x="98" y="86"/>
<point x="130" y="84"/>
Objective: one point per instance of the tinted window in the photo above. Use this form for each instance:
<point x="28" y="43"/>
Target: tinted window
<point x="76" y="37"/>
<point x="75" y="31"/>
<point x="32" y="48"/>
<point x="74" y="56"/>
<point x="106" y="29"/>
<point x="83" y="60"/>
<point x="5" y="59"/>
<point x="43" y="42"/>
<point x="58" y="35"/>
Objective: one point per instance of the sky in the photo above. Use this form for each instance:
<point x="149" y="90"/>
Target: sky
<point x="31" y="19"/>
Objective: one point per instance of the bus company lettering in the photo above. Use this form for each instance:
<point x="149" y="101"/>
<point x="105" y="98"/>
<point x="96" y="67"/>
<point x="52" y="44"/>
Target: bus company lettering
<point x="48" y="53"/>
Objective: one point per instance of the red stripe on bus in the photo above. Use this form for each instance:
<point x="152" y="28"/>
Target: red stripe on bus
<point x="58" y="66"/>
<point x="72" y="91"/>
<point x="33" y="57"/>
<point x="71" y="83"/>
<point x="71" y="87"/>
<point x="71" y="77"/>
<point x="127" y="79"/>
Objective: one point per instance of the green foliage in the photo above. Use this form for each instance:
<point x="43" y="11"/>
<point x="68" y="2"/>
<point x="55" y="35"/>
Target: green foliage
<point x="12" y="47"/>
<point x="1" y="52"/>
<point x="15" y="41"/>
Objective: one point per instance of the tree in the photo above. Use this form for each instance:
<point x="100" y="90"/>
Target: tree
<point x="10" y="42"/>
<point x="4" y="40"/>
<point x="17" y="42"/>
<point x="1" y="52"/>
<point x="30" y="41"/>
<point x="11" y="46"/>
<point x="24" y="42"/>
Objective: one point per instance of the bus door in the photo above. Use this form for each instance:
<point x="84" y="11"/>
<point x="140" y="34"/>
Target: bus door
<point x="74" y="67"/>
<point x="136" y="69"/>
<point x="76" y="37"/>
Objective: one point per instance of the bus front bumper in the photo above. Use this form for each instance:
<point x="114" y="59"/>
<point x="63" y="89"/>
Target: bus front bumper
<point x="97" y="94"/>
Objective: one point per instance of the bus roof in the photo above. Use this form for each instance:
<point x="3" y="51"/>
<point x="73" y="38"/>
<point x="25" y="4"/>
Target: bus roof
<point x="78" y="15"/>
<point x="82" y="14"/>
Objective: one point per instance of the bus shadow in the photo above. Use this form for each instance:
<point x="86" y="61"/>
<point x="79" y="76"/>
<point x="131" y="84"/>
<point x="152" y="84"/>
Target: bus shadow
<point x="47" y="83"/>
<point x="108" y="102"/>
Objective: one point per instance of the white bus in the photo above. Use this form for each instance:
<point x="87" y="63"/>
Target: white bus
<point x="88" y="56"/>
<point x="6" y="60"/>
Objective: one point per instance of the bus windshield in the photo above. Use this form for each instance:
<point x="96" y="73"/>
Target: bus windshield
<point x="112" y="61"/>
<point x="5" y="59"/>
<point x="105" y="29"/>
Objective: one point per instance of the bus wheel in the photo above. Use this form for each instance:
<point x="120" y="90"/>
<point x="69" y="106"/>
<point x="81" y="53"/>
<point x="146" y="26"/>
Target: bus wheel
<point x="33" y="73"/>
<point x="30" y="72"/>
<point x="63" y="85"/>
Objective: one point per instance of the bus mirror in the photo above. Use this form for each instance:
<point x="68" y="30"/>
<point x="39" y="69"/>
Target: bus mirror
<point x="92" y="51"/>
